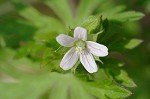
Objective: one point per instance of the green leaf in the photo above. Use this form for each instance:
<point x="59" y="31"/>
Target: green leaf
<point x="133" y="43"/>
<point x="128" y="16"/>
<point x="54" y="85"/>
<point x="62" y="9"/>
<point x="51" y="60"/>
<point x="12" y="36"/>
<point x="85" y="8"/>
<point x="115" y="10"/>
<point x="9" y="65"/>
<point x="110" y="12"/>
<point x="116" y="92"/>
<point x="113" y="70"/>
<point x="106" y="90"/>
<point x="117" y="13"/>
<point x="38" y="19"/>
<point x="125" y="79"/>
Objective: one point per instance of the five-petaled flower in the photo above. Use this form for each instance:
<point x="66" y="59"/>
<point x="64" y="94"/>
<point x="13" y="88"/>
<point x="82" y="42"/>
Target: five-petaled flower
<point x="80" y="49"/>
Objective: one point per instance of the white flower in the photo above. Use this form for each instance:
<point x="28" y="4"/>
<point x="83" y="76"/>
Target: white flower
<point x="81" y="49"/>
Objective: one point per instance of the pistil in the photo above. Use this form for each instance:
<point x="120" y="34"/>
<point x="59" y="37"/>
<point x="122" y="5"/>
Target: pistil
<point x="80" y="46"/>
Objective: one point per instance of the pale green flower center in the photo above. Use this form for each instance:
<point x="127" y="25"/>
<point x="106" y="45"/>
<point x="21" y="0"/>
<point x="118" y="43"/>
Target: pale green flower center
<point x="80" y="46"/>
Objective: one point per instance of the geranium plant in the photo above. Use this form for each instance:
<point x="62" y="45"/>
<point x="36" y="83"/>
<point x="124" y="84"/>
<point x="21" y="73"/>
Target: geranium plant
<point x="66" y="54"/>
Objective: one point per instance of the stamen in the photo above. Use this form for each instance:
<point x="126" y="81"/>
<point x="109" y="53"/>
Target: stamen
<point x="80" y="46"/>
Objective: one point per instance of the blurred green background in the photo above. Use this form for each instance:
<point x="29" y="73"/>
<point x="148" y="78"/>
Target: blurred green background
<point x="21" y="26"/>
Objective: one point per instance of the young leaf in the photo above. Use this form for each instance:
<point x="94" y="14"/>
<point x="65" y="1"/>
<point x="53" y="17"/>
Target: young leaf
<point x="92" y="24"/>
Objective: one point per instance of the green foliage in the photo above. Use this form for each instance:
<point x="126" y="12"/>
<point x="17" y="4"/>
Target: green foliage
<point x="26" y="76"/>
<point x="30" y="55"/>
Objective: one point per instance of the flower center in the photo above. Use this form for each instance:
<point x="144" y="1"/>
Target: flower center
<point x="80" y="46"/>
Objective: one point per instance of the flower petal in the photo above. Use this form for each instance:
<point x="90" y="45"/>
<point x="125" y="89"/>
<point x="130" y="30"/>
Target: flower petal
<point x="80" y="33"/>
<point x="97" y="49"/>
<point x="65" y="40"/>
<point x="88" y="61"/>
<point x="69" y="59"/>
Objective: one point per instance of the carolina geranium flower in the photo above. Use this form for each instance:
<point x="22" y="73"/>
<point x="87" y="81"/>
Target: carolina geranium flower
<point x="80" y="49"/>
